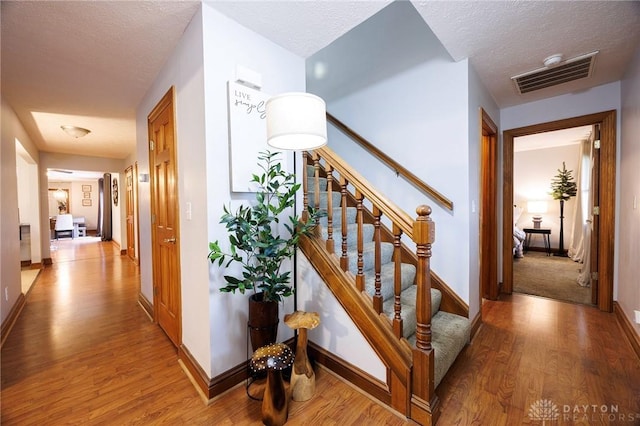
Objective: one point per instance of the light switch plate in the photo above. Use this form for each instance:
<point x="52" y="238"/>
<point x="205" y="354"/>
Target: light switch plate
<point x="637" y="317"/>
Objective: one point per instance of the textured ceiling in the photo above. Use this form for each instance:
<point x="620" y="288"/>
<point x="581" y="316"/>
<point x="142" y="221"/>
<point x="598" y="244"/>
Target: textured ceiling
<point x="503" y="39"/>
<point x="302" y="27"/>
<point x="85" y="64"/>
<point x="90" y="63"/>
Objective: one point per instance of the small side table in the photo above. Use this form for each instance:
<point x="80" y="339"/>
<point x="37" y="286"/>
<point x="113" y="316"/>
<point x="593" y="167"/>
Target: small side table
<point x="546" y="238"/>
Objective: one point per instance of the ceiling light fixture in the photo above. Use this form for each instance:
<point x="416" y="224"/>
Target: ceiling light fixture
<point x="296" y="121"/>
<point x="76" y="132"/>
<point x="60" y="195"/>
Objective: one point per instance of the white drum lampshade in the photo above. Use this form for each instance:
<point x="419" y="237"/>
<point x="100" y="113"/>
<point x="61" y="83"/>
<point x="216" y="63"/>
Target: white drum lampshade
<point x="296" y="121"/>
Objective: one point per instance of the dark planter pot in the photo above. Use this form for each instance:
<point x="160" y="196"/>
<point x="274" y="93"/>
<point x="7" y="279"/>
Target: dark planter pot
<point x="263" y="321"/>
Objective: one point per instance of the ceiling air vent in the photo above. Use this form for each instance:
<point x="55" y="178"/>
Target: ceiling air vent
<point x="569" y="70"/>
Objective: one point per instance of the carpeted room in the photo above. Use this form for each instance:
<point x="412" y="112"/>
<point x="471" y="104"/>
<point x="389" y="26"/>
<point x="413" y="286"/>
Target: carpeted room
<point x="552" y="214"/>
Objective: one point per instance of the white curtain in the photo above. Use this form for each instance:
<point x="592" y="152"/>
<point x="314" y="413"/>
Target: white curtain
<point x="584" y="277"/>
<point x="578" y="243"/>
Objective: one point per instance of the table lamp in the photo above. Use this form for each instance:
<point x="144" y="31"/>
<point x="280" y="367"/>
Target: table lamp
<point x="537" y="208"/>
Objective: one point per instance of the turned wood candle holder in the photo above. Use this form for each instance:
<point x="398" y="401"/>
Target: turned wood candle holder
<point x="303" y="378"/>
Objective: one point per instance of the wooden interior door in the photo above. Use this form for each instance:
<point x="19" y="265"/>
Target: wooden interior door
<point x="595" y="218"/>
<point x="165" y="218"/>
<point x="129" y="208"/>
<point x="488" y="210"/>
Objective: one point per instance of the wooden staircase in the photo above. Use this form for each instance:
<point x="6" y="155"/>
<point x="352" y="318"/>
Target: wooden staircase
<point x="413" y="321"/>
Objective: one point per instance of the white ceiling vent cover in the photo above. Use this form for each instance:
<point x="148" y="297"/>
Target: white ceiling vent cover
<point x="569" y="70"/>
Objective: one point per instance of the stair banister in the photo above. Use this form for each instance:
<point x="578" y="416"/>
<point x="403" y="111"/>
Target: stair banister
<point x="377" y="237"/>
<point x="389" y="209"/>
<point x="330" y="245"/>
<point x="359" y="221"/>
<point x="411" y="369"/>
<point x="423" y="357"/>
<point x="394" y="165"/>
<point x="344" y="259"/>
<point x="397" y="278"/>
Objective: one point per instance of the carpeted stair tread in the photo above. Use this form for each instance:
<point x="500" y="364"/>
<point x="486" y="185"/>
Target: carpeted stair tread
<point x="408" y="308"/>
<point x="352" y="235"/>
<point x="449" y="335"/>
<point x="387" y="272"/>
<point x="368" y="256"/>
<point x="336" y="198"/>
<point x="449" y="332"/>
<point x="336" y="219"/>
<point x="407" y="313"/>
<point x="311" y="183"/>
<point x="408" y="298"/>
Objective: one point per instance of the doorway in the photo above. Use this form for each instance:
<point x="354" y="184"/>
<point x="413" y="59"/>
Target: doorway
<point x="552" y="233"/>
<point x="129" y="211"/>
<point x="604" y="225"/>
<point x="165" y="218"/>
<point x="488" y="210"/>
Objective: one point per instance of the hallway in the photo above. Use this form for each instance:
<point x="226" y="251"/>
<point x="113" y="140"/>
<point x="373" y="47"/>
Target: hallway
<point x="84" y="352"/>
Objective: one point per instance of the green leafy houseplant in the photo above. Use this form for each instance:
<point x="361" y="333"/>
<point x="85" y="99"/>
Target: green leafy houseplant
<point x="254" y="240"/>
<point x="562" y="186"/>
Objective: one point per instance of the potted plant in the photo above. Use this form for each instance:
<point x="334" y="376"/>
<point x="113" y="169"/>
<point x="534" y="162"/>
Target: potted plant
<point x="257" y="244"/>
<point x="563" y="188"/>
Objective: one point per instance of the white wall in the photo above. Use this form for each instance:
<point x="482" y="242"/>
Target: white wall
<point x="10" y="130"/>
<point x="185" y="71"/>
<point x="629" y="213"/>
<point x="597" y="99"/>
<point x="479" y="97"/>
<point x="29" y="203"/>
<point x="337" y="333"/>
<point x="213" y="323"/>
<point x="227" y="44"/>
<point x="420" y="119"/>
<point x="90" y="213"/>
<point x="533" y="172"/>
<point x="425" y="119"/>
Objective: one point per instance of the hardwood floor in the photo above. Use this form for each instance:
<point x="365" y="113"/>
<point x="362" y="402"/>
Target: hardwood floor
<point x="531" y="349"/>
<point x="83" y="352"/>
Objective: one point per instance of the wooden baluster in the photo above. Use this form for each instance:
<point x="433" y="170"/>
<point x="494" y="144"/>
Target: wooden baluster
<point x="360" y="244"/>
<point x="344" y="259"/>
<point x="330" y="242"/>
<point x="377" y="296"/>
<point x="316" y="176"/>
<point x="423" y="359"/>
<point x="397" y="281"/>
<point x="305" y="187"/>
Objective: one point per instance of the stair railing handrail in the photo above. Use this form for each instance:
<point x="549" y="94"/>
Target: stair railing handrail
<point x="393" y="164"/>
<point x="421" y="230"/>
<point x="388" y="208"/>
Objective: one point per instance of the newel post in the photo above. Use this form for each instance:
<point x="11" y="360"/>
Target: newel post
<point x="423" y="361"/>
